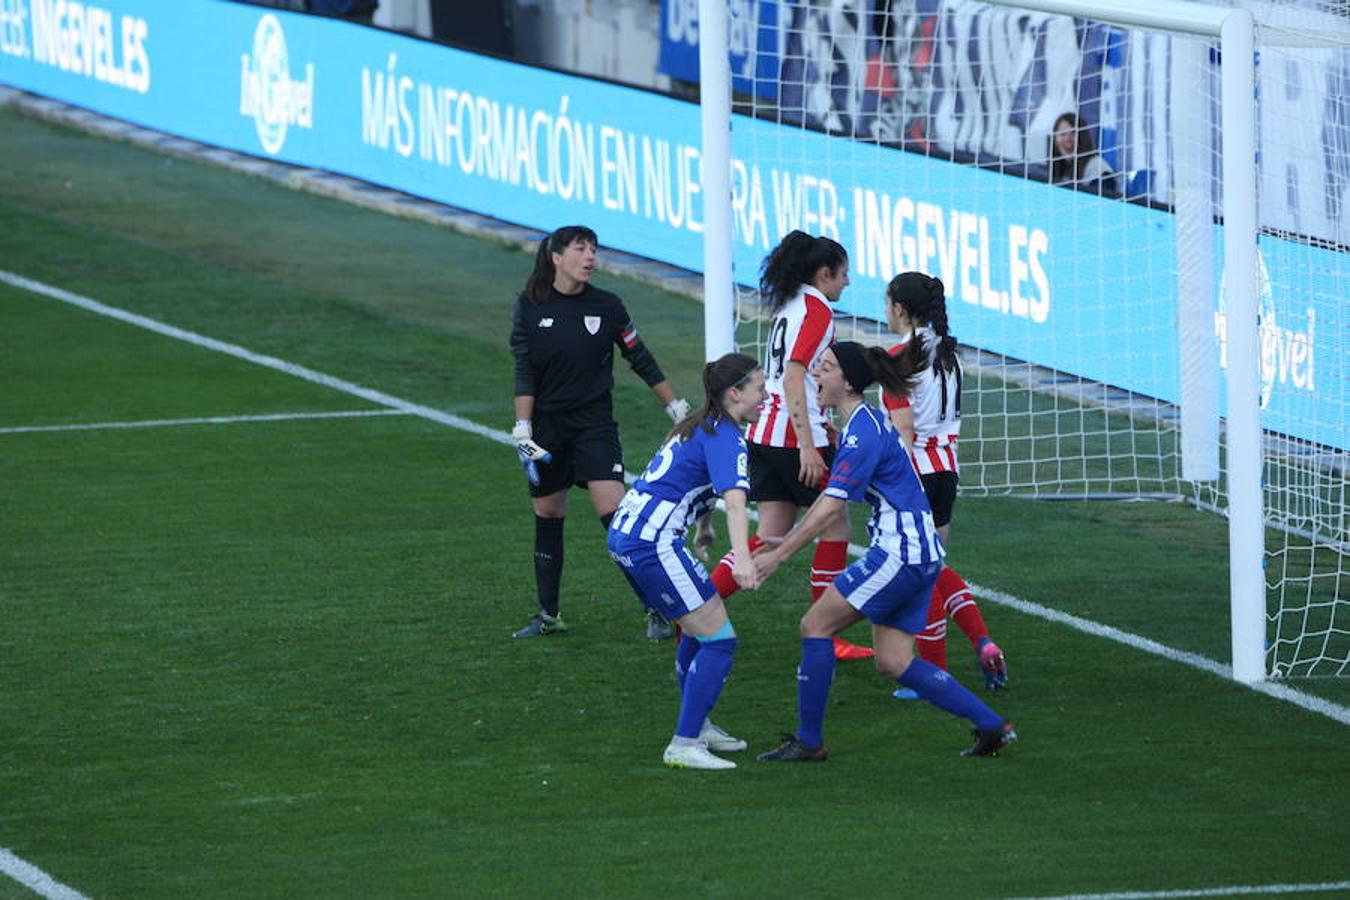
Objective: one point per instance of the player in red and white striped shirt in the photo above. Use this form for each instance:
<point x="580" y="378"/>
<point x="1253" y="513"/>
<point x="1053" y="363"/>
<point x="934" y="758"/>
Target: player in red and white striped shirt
<point x="790" y="452"/>
<point x="929" y="419"/>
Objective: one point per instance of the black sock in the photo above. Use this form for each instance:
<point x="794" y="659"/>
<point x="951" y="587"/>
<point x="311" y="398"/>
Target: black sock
<point x="548" y="562"/>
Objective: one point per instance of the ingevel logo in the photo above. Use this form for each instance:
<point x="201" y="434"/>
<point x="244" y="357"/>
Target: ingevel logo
<point x="1287" y="355"/>
<point x="268" y="93"/>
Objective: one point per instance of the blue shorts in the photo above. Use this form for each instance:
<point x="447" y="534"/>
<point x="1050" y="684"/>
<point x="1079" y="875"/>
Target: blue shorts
<point x="665" y="577"/>
<point x="889" y="592"/>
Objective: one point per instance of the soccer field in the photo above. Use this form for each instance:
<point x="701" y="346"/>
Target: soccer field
<point x="268" y="654"/>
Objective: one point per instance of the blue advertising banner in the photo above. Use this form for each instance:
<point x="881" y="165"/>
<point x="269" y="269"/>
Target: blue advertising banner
<point x="544" y="149"/>
<point x="753" y="38"/>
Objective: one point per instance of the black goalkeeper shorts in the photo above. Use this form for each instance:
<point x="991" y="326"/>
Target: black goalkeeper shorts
<point x="585" y="448"/>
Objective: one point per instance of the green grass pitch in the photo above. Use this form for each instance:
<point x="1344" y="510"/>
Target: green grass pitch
<point x="272" y="659"/>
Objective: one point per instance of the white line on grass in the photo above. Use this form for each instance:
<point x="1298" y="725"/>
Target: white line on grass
<point x="36" y="880"/>
<point x="238" y="352"/>
<point x="209" y="420"/>
<point x="1234" y="891"/>
<point x="1280" y="692"/>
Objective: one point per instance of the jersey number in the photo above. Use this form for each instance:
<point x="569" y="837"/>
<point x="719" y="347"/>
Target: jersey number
<point x="778" y="348"/>
<point x="660" y="463"/>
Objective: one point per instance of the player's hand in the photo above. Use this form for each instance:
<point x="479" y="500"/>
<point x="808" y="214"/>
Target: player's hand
<point x="704" y="535"/>
<point x="677" y="409"/>
<point x="746" y="573"/>
<point x="528" y="451"/>
<point x="767" y="562"/>
<point x="812" y="468"/>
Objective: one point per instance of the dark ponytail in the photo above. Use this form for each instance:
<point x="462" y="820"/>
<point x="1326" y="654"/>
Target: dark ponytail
<point x="864" y="366"/>
<point x="540" y="282"/>
<point x="924" y="300"/>
<point x="794" y="262"/>
<point x="719" y="376"/>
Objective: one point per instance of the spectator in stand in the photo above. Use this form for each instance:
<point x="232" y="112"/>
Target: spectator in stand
<point x="1074" y="160"/>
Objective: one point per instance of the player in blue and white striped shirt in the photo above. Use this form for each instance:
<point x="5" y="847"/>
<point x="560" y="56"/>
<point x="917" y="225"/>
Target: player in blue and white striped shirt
<point x="890" y="586"/>
<point x="703" y="458"/>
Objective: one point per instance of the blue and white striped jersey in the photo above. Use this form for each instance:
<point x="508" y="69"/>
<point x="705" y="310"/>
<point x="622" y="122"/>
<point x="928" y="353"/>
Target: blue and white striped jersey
<point x="871" y="465"/>
<point x="682" y="483"/>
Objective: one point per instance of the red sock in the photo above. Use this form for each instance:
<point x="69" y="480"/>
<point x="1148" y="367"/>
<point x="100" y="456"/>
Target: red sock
<point x="721" y="575"/>
<point x="932" y="641"/>
<point x="960" y="605"/>
<point x="828" y="564"/>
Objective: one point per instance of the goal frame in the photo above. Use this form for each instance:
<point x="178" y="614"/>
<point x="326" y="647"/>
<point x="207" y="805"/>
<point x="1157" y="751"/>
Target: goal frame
<point x="1234" y="31"/>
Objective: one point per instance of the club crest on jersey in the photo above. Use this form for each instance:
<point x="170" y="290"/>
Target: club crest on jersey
<point x="545" y="323"/>
<point x="592" y="324"/>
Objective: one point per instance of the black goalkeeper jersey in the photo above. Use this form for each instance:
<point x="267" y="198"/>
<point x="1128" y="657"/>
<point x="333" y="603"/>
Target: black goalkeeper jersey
<point x="564" y="348"/>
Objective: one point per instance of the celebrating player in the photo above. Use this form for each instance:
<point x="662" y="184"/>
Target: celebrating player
<point x="703" y="457"/>
<point x="563" y="339"/>
<point x="929" y="418"/>
<point x="789" y="451"/>
<point x="890" y="585"/>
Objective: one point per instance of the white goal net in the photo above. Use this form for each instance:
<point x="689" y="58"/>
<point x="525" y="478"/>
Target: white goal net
<point x="1085" y="283"/>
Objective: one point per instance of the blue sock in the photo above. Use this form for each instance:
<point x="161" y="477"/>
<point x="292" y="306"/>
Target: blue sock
<point x="944" y="691"/>
<point x="703" y="684"/>
<point x="815" y="676"/>
<point x="684" y="656"/>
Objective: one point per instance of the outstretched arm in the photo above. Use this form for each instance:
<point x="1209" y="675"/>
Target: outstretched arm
<point x="745" y="570"/>
<point x="819" y="517"/>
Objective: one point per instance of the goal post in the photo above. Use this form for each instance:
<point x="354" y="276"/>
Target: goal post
<point x="840" y="144"/>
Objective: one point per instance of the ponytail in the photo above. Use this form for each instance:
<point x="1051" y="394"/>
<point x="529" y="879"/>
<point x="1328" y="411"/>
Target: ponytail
<point x="540" y="282"/>
<point x="864" y="366"/>
<point x="794" y="262"/>
<point x="924" y="300"/>
<point x="719" y="376"/>
<point x="898" y="374"/>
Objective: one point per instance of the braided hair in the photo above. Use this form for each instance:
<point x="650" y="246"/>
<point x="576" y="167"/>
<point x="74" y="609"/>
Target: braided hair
<point x="540" y="282"/>
<point x="719" y="376"/>
<point x="794" y="262"/>
<point x="924" y="300"/>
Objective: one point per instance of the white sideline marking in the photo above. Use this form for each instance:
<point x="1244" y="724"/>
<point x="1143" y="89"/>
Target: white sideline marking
<point x="1326" y="708"/>
<point x="19" y="870"/>
<point x="238" y="352"/>
<point x="36" y="880"/>
<point x="209" y="420"/>
<point x="1234" y="891"/>
<point x="1318" y="705"/>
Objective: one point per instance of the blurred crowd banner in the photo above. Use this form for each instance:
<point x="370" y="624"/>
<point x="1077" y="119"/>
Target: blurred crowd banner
<point x="544" y="149"/>
<point x="915" y="73"/>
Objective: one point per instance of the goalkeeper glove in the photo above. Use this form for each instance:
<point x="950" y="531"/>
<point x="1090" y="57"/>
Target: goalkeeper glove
<point x="529" y="452"/>
<point x="677" y="409"/>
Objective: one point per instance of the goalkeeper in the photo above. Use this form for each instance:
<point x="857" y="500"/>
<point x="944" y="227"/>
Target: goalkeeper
<point x="563" y="338"/>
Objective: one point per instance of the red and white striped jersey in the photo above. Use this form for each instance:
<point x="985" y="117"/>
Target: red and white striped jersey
<point x="936" y="402"/>
<point x="801" y="332"/>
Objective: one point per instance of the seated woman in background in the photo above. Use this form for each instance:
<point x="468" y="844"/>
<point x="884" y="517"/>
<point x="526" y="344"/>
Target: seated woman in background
<point x="1074" y="159"/>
